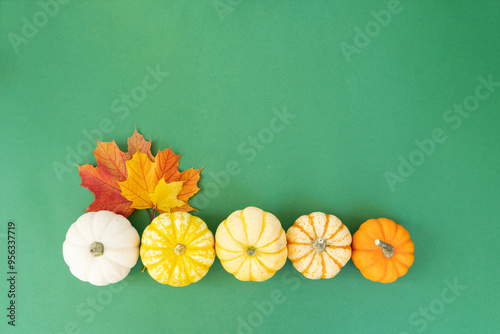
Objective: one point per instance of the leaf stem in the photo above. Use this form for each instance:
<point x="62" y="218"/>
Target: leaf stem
<point x="154" y="212"/>
<point x="149" y="214"/>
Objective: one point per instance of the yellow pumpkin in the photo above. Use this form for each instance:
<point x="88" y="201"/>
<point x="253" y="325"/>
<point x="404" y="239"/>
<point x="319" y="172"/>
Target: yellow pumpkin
<point x="251" y="244"/>
<point x="319" y="245"/>
<point x="177" y="248"/>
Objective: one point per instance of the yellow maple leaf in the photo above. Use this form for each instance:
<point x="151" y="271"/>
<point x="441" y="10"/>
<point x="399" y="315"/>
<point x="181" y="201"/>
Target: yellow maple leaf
<point x="165" y="195"/>
<point x="141" y="181"/>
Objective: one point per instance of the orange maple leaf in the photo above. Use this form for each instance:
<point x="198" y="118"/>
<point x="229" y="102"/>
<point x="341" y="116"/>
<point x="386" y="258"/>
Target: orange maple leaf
<point x="144" y="176"/>
<point x="166" y="163"/>
<point x="141" y="181"/>
<point x="189" y="188"/>
<point x="103" y="180"/>
<point x="137" y="143"/>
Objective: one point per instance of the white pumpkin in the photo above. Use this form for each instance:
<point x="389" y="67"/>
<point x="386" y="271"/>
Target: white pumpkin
<point x="101" y="247"/>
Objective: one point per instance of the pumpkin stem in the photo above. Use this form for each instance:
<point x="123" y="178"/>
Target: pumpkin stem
<point x="387" y="249"/>
<point x="251" y="251"/>
<point x="179" y="249"/>
<point x="319" y="245"/>
<point x="96" y="249"/>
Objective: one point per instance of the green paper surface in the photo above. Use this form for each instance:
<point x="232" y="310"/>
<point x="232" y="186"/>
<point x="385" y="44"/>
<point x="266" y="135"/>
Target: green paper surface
<point x="362" y="110"/>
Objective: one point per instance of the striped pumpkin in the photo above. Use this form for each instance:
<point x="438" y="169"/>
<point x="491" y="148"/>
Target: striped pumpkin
<point x="319" y="245"/>
<point x="251" y="244"/>
<point x="177" y="248"/>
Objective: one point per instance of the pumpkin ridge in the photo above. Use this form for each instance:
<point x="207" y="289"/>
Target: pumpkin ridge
<point x="186" y="230"/>
<point x="104" y="232"/>
<point x="264" y="224"/>
<point x="311" y="222"/>
<point x="190" y="247"/>
<point x="114" y="236"/>
<point x="367" y="250"/>
<point x="327" y="225"/>
<point x="404" y="266"/>
<point x="160" y="261"/>
<point x="161" y="233"/>
<point x="239" y="268"/>
<point x="334" y="260"/>
<point x="366" y="229"/>
<point x="342" y="246"/>
<point x="102" y="268"/>
<point x="171" y="270"/>
<point x="272" y="253"/>
<point x="174" y="228"/>
<point x="406" y="262"/>
<point x="227" y="250"/>
<point x="304" y="231"/>
<point x="198" y="267"/>
<point x="336" y="232"/>
<point x="195" y="237"/>
<point x="263" y="266"/>
<point x="381" y="230"/>
<point x="231" y="235"/>
<point x="323" y="266"/>
<point x="186" y="270"/>
<point x="244" y="223"/>
<point x="306" y="270"/>
<point x="269" y="243"/>
<point x="394" y="235"/>
<point x="250" y="277"/>
<point x="78" y="236"/>
<point x="395" y="266"/>
<point x="156" y="247"/>
<point x="401" y="244"/>
<point x="303" y="256"/>
<point x="231" y="259"/>
<point x="377" y="260"/>
<point x="385" y="272"/>
<point x="298" y="243"/>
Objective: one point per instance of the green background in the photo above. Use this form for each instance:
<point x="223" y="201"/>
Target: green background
<point x="231" y="65"/>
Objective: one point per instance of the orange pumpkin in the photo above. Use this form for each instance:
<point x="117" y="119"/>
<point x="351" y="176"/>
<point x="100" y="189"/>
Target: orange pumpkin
<point x="382" y="250"/>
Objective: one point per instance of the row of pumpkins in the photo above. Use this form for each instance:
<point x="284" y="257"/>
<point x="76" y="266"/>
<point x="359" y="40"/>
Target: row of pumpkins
<point x="178" y="248"/>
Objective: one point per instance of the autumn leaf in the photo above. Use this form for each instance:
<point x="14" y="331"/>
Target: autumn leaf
<point x="106" y="190"/>
<point x="165" y="196"/>
<point x="166" y="163"/>
<point x="189" y="188"/>
<point x="122" y="182"/>
<point x="111" y="159"/>
<point x="146" y="179"/>
<point x="141" y="181"/>
<point x="111" y="168"/>
<point x="102" y="180"/>
<point x="137" y="143"/>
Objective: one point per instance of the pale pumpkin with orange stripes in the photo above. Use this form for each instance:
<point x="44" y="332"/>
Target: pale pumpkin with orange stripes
<point x="177" y="248"/>
<point x="319" y="245"/>
<point x="251" y="244"/>
<point x="382" y="250"/>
